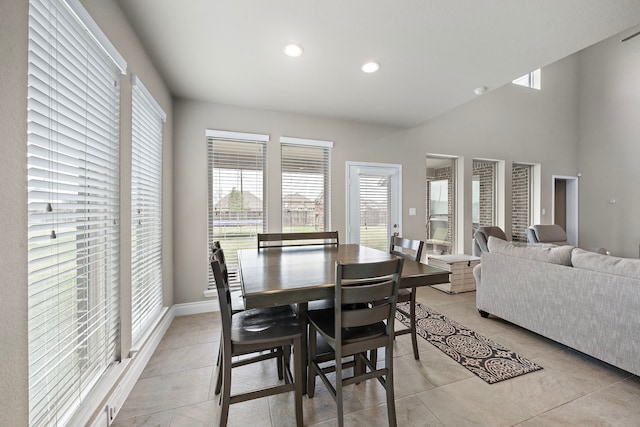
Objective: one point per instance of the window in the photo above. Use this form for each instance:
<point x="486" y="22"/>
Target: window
<point x="237" y="205"/>
<point x="146" y="209"/>
<point x="73" y="208"/>
<point x="531" y="80"/>
<point x="306" y="185"/>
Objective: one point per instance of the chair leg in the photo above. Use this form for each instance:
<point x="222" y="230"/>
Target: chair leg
<point x="220" y="369"/>
<point x="298" y="379"/>
<point x="226" y="389"/>
<point x="412" y="319"/>
<point x="311" y="353"/>
<point x="219" y="353"/>
<point x="282" y="360"/>
<point x="391" y="404"/>
<point x="339" y="397"/>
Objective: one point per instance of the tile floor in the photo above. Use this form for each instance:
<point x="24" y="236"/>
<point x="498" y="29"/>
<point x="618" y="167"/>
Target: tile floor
<point x="176" y="387"/>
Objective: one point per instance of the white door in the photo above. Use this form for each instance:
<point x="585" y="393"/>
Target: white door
<point x="373" y="203"/>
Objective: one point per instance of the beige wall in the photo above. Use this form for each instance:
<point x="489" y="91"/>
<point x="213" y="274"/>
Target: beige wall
<point x="609" y="150"/>
<point x="13" y="214"/>
<point x="13" y="176"/>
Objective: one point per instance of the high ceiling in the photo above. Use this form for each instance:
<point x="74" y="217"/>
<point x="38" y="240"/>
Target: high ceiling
<point x="433" y="53"/>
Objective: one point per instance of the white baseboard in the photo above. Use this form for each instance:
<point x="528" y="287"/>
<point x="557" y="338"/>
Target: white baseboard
<point x="197" y="307"/>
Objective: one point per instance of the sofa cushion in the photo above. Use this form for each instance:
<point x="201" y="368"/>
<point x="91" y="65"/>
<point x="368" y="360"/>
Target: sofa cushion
<point x="546" y="253"/>
<point x="626" y="267"/>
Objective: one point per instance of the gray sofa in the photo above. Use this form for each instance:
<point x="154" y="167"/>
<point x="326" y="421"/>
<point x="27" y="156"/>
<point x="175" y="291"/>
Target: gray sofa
<point x="585" y="300"/>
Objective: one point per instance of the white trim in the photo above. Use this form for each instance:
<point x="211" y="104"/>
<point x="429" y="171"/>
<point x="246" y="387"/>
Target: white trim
<point x="136" y="83"/>
<point x="303" y="141"/>
<point x="236" y="136"/>
<point x="76" y="8"/>
<point x="195" y="308"/>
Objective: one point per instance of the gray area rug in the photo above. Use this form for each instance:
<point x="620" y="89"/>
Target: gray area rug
<point x="485" y="358"/>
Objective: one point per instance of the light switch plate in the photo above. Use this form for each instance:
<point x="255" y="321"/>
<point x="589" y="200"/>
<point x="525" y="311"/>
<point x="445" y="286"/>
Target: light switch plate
<point x="412" y="211"/>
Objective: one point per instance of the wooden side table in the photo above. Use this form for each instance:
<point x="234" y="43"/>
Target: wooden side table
<point x="461" y="267"/>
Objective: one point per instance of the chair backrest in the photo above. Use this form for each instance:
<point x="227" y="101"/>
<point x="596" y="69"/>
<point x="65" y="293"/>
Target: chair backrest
<point x="547" y="233"/>
<point x="219" y="269"/>
<point x="297" y="239"/>
<point x="369" y="290"/>
<point x="481" y="237"/>
<point x="215" y="246"/>
<point x="406" y="248"/>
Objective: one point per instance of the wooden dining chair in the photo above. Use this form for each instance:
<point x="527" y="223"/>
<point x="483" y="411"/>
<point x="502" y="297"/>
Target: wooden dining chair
<point x="279" y="240"/>
<point x="370" y="291"/>
<point x="258" y="335"/>
<point x="237" y="302"/>
<point x="409" y="249"/>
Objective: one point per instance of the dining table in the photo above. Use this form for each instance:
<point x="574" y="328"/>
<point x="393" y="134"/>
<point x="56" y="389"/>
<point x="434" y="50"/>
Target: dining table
<point x="297" y="275"/>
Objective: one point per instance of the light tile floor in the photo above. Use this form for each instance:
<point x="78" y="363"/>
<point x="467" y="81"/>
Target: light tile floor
<point x="176" y="387"/>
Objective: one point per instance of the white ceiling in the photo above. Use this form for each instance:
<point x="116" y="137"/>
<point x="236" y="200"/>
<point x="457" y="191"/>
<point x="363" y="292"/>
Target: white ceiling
<point x="433" y="52"/>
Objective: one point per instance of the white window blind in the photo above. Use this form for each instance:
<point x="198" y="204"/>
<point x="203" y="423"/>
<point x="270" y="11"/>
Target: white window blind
<point x="375" y="205"/>
<point x="146" y="210"/>
<point x="73" y="208"/>
<point x="237" y="197"/>
<point x="306" y="184"/>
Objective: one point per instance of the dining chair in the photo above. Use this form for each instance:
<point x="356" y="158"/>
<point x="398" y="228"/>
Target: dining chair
<point x="370" y="291"/>
<point x="257" y="335"/>
<point x="409" y="249"/>
<point x="279" y="240"/>
<point x="237" y="302"/>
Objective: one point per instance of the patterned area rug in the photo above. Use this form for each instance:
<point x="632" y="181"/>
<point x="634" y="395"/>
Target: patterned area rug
<point x="485" y="358"/>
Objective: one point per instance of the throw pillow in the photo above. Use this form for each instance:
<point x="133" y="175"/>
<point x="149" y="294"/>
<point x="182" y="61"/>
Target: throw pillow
<point x="592" y="261"/>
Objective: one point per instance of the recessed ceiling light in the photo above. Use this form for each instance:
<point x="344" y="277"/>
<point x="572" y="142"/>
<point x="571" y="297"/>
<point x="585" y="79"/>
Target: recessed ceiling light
<point x="293" y="50"/>
<point x="370" y="67"/>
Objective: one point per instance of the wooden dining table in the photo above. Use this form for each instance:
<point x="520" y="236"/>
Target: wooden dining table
<point x="300" y="274"/>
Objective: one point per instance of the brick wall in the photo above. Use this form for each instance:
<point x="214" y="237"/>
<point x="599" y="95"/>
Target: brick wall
<point x="486" y="173"/>
<point x="521" y="201"/>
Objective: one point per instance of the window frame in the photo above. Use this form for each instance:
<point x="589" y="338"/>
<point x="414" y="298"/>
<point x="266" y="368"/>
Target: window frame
<point x="299" y="153"/>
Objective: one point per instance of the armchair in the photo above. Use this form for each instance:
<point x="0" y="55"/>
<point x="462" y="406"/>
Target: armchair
<point x="547" y="233"/>
<point x="481" y="237"/>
